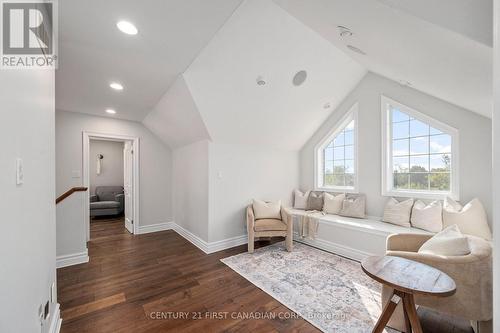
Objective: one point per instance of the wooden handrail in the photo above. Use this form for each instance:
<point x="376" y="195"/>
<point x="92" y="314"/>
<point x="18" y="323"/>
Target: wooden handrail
<point x="70" y="192"/>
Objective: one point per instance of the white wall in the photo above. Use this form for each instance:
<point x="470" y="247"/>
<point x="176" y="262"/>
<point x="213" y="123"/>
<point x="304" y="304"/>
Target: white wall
<point x="155" y="163"/>
<point x="27" y="240"/>
<point x="111" y="165"/>
<point x="475" y="140"/>
<point x="496" y="168"/>
<point x="241" y="173"/>
<point x="175" y="118"/>
<point x="190" y="188"/>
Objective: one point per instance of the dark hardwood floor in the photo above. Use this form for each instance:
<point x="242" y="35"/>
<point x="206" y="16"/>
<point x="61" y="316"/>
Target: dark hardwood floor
<point x="139" y="283"/>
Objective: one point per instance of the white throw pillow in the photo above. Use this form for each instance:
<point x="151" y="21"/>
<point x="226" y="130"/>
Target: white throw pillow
<point x="300" y="199"/>
<point x="266" y="210"/>
<point x="449" y="242"/>
<point x="332" y="203"/>
<point x="427" y="217"/>
<point x="396" y="212"/>
<point x="471" y="218"/>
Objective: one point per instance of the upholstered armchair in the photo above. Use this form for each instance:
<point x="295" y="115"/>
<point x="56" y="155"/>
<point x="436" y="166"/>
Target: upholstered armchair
<point x="269" y="228"/>
<point x="472" y="274"/>
<point x="108" y="200"/>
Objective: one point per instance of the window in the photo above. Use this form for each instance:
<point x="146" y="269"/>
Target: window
<point x="336" y="158"/>
<point x="420" y="154"/>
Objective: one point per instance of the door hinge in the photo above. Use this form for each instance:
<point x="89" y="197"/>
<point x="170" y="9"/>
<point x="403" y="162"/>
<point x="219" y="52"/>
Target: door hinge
<point x="131" y="221"/>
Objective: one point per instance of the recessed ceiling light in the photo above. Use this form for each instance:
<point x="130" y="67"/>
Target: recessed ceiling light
<point x="116" y="86"/>
<point x="260" y="81"/>
<point x="355" y="49"/>
<point x="110" y="111"/>
<point x="127" y="27"/>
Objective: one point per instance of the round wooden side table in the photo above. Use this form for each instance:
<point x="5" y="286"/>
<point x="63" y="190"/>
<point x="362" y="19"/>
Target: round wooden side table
<point x="407" y="278"/>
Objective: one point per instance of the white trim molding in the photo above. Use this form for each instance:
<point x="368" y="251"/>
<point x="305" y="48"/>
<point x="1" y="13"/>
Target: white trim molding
<point x="206" y="247"/>
<point x="387" y="170"/>
<point x="210" y="247"/>
<point x="146" y="229"/>
<point x="335" y="248"/>
<point x="350" y="115"/>
<point x="56" y="321"/>
<point x="72" y="259"/>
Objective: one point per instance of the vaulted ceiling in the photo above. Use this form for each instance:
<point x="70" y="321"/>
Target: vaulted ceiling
<point x="191" y="73"/>
<point x="93" y="52"/>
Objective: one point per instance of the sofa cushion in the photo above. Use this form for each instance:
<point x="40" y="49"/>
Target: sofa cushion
<point x="396" y="212"/>
<point x="266" y="210"/>
<point x="315" y="201"/>
<point x="354" y="206"/>
<point x="104" y="205"/>
<point x="333" y="203"/>
<point x="427" y="217"/>
<point x="449" y="242"/>
<point x="300" y="199"/>
<point x="269" y="225"/>
<point x="108" y="193"/>
<point x="471" y="218"/>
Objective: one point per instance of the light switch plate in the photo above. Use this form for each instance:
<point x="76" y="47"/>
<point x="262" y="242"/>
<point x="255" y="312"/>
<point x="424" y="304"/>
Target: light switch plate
<point x="19" y="172"/>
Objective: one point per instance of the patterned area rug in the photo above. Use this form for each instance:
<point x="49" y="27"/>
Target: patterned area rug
<point x="329" y="291"/>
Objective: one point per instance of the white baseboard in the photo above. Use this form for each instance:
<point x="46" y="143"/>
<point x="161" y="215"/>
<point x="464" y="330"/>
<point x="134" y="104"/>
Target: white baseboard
<point x="335" y="248"/>
<point x="227" y="243"/>
<point x="72" y="259"/>
<point x="146" y="229"/>
<point x="210" y="247"/>
<point x="207" y="247"/>
<point x="55" y="323"/>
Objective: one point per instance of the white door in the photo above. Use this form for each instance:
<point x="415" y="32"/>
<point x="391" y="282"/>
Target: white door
<point x="128" y="159"/>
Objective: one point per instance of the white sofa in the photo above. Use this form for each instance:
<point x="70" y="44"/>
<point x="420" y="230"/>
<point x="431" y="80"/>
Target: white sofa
<point x="351" y="237"/>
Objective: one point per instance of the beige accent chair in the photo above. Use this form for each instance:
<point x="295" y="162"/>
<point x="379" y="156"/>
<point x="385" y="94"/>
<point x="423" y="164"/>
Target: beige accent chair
<point x="269" y="228"/>
<point x="472" y="274"/>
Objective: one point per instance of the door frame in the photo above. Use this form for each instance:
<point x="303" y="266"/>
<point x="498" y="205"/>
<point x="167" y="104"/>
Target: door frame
<point x="86" y="137"/>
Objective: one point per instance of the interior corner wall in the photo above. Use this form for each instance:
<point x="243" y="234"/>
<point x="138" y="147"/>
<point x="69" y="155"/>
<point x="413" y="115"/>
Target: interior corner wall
<point x="240" y="173"/>
<point x="190" y="188"/>
<point x="28" y="238"/>
<point x="155" y="162"/>
<point x="474" y="131"/>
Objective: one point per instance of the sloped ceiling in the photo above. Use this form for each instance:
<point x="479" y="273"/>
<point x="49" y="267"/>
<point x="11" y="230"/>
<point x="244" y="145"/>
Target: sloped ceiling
<point x="94" y="52"/>
<point x="261" y="39"/>
<point x="210" y="53"/>
<point x="441" y="49"/>
<point x="175" y="119"/>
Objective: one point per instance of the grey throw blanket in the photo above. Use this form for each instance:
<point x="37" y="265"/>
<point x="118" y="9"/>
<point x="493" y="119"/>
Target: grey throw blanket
<point x="308" y="224"/>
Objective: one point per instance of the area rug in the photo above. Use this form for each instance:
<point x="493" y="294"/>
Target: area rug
<point x="329" y="291"/>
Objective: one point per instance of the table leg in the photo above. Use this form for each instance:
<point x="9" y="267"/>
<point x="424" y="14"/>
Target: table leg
<point x="406" y="317"/>
<point x="411" y="309"/>
<point x="387" y="313"/>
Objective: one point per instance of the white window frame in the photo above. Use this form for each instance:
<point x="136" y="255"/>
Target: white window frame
<point x="387" y="172"/>
<point x="351" y="115"/>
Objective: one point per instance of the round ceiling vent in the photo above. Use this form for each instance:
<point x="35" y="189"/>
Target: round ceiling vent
<point x="299" y="78"/>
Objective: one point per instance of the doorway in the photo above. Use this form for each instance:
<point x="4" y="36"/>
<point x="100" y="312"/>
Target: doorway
<point x="121" y="196"/>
